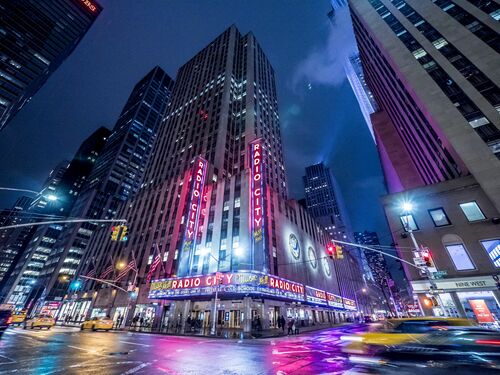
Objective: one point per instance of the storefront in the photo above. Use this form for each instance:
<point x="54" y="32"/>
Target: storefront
<point x="73" y="311"/>
<point x="475" y="298"/>
<point x="247" y="300"/>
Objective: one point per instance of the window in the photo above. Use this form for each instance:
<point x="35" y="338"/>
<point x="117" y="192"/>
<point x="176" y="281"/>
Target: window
<point x="472" y="211"/>
<point x="492" y="247"/>
<point x="439" y="217"/>
<point x="408" y="222"/>
<point x="459" y="256"/>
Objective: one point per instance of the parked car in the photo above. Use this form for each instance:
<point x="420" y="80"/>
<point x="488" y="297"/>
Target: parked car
<point x="19" y="317"/>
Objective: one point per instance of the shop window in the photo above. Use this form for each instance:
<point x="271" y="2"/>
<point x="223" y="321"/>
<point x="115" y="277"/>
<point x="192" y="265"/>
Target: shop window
<point x="472" y="211"/>
<point x="492" y="247"/>
<point x="408" y="222"/>
<point x="459" y="256"/>
<point x="439" y="217"/>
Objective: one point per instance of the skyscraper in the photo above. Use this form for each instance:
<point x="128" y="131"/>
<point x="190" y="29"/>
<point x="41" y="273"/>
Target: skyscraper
<point x="29" y="247"/>
<point x="324" y="201"/>
<point x="213" y="208"/>
<point x="116" y="176"/>
<point x="432" y="67"/>
<point x="35" y="38"/>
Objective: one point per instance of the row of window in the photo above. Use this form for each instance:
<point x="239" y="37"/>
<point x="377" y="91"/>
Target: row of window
<point x="471" y="210"/>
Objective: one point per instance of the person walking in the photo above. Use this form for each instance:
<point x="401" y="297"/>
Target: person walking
<point x="283" y="323"/>
<point x="290" y="325"/>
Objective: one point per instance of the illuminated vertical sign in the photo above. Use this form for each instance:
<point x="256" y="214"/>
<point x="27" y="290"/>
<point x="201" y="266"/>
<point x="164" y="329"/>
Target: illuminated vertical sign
<point x="193" y="209"/>
<point x="91" y="6"/>
<point x="257" y="202"/>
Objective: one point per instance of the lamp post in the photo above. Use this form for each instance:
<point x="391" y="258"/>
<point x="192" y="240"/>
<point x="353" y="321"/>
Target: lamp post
<point x="205" y="252"/>
<point x="407" y="209"/>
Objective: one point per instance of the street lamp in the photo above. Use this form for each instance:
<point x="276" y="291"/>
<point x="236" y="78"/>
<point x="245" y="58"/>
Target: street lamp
<point x="120" y="265"/>
<point x="204" y="252"/>
<point x="407" y="210"/>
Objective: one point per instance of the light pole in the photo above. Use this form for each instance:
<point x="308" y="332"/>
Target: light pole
<point x="204" y="252"/>
<point x="407" y="209"/>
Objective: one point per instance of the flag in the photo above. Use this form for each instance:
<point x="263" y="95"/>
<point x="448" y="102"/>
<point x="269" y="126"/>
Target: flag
<point x="130" y="266"/>
<point x="156" y="262"/>
<point x="91" y="273"/>
<point x="107" y="272"/>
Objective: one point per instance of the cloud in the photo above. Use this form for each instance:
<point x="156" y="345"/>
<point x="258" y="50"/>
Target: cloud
<point x="325" y="64"/>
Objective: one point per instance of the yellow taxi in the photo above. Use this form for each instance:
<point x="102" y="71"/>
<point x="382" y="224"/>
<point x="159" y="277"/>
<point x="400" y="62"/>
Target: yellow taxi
<point x="40" y="321"/>
<point x="95" y="324"/>
<point x="395" y="332"/>
<point x="19" y="317"/>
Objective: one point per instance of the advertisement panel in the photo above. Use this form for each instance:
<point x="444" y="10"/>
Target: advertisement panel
<point x="193" y="209"/>
<point x="349" y="304"/>
<point x="481" y="311"/>
<point x="316" y="296"/>
<point x="334" y="300"/>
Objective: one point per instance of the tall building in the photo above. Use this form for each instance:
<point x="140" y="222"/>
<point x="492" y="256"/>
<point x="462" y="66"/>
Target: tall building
<point x="35" y="38"/>
<point x="356" y="77"/>
<point x="29" y="247"/>
<point x="213" y="207"/>
<point x="432" y="67"/>
<point x="324" y="201"/>
<point x="117" y="175"/>
<point x="9" y="249"/>
<point x="376" y="261"/>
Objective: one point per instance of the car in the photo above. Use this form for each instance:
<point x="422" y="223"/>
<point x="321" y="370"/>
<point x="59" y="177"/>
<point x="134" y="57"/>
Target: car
<point x="5" y="320"/>
<point x="19" y="317"/>
<point x="40" y="321"/>
<point x="449" y="349"/>
<point x="97" y="323"/>
<point x="398" y="332"/>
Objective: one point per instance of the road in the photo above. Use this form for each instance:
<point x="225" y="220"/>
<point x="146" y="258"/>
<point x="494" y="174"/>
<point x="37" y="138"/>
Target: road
<point x="65" y="350"/>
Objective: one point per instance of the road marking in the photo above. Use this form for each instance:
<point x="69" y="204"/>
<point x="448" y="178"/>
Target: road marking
<point x="87" y="350"/>
<point x="135" y="343"/>
<point x="10" y="360"/>
<point x="136" y="368"/>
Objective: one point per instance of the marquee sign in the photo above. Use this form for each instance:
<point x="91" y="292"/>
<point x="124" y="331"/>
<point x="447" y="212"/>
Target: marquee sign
<point x="257" y="198"/>
<point x="227" y="282"/>
<point x="334" y="300"/>
<point x="316" y="296"/>
<point x="194" y="206"/>
<point x="349" y="304"/>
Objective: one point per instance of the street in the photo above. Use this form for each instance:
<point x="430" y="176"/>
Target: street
<point x="69" y="351"/>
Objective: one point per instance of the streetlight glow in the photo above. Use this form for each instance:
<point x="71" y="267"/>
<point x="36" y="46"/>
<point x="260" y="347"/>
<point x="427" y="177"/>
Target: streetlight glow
<point x="204" y="251"/>
<point x="238" y="251"/>
<point x="407" y="207"/>
<point x="51" y="197"/>
<point x="120" y="265"/>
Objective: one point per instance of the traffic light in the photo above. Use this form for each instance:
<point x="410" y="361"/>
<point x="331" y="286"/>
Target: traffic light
<point x="427" y="258"/>
<point x="330" y="250"/>
<point x="123" y="234"/>
<point x="338" y="249"/>
<point x="115" y="231"/>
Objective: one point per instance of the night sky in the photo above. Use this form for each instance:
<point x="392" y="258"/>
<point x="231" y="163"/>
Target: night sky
<point x="320" y="118"/>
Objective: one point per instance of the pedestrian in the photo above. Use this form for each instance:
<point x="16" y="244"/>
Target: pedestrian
<point x="283" y="323"/>
<point x="141" y="322"/>
<point x="259" y="323"/>
<point x="290" y="324"/>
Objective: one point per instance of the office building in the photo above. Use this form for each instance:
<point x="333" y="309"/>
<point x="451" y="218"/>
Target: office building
<point x="35" y="38"/>
<point x="29" y="247"/>
<point x="214" y="206"/>
<point x="117" y="175"/>
<point x="433" y="69"/>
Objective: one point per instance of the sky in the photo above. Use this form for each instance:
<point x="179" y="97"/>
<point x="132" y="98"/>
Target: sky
<point x="320" y="119"/>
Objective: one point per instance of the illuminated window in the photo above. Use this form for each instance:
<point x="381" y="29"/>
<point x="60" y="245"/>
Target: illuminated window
<point x="408" y="222"/>
<point x="439" y="217"/>
<point x="460" y="257"/>
<point x="492" y="247"/>
<point x="472" y="211"/>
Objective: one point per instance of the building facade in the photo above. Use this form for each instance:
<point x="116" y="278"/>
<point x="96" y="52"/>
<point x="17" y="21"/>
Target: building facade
<point x="432" y="67"/>
<point x="117" y="174"/>
<point x="35" y="38"/>
<point x="214" y="211"/>
<point x="32" y="245"/>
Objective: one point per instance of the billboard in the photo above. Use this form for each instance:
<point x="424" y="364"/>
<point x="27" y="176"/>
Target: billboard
<point x="316" y="296"/>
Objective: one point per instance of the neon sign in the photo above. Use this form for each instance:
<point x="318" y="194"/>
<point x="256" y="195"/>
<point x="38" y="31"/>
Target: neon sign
<point x="194" y="206"/>
<point x="257" y="198"/>
<point x="349" y="304"/>
<point x="334" y="300"/>
<point x="316" y="296"/>
<point x="91" y="6"/>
